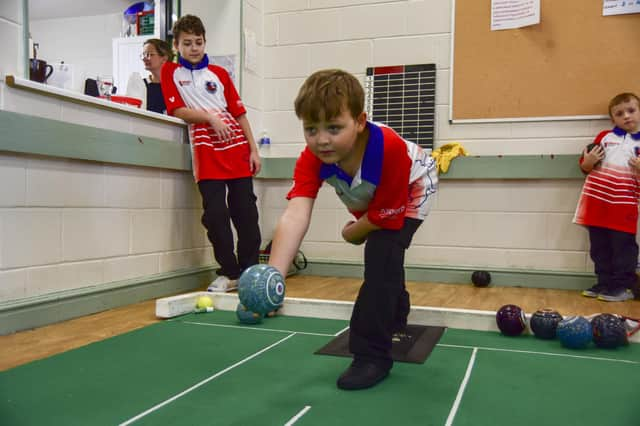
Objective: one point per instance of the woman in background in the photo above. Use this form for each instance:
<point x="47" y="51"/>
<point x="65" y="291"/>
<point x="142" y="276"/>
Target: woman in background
<point x="155" y="53"/>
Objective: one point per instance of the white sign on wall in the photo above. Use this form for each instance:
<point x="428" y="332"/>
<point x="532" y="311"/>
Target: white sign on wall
<point x="620" y="7"/>
<point x="250" y="50"/>
<point x="228" y="62"/>
<point x="509" y="14"/>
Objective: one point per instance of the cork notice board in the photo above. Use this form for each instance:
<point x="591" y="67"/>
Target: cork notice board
<point x="569" y="65"/>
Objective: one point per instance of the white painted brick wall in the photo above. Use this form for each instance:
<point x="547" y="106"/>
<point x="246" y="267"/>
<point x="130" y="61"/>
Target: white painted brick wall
<point x="31" y="237"/>
<point x="95" y="233"/>
<point x="56" y="182"/>
<point x="123" y="268"/>
<point x="347" y="55"/>
<point x="11" y="31"/>
<point x="14" y="170"/>
<point x="67" y="224"/>
<point x="13" y="284"/>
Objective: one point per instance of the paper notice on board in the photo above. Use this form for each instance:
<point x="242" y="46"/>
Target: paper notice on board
<point x="509" y="14"/>
<point x="620" y="7"/>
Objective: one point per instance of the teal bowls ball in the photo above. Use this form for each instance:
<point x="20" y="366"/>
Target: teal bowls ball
<point x="261" y="289"/>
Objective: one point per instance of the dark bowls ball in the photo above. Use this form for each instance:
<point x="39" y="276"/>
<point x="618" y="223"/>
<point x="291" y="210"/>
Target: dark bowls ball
<point x="609" y="331"/>
<point x="590" y="147"/>
<point x="544" y="323"/>
<point x="511" y="320"/>
<point x="481" y="278"/>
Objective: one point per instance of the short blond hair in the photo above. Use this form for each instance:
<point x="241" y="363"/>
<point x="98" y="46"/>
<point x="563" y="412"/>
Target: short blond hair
<point x="325" y="93"/>
<point x="621" y="98"/>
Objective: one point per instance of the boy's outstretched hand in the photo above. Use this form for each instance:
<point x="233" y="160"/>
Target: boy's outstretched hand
<point x="591" y="158"/>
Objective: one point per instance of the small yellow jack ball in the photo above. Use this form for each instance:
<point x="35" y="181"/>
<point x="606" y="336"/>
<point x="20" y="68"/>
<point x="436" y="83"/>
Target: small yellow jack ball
<point x="204" y="302"/>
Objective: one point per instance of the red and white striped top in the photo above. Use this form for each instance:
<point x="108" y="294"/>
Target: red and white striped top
<point x="610" y="193"/>
<point x="209" y="87"/>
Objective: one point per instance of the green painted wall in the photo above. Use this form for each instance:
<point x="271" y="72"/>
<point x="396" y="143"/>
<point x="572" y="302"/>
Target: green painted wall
<point x="34" y="135"/>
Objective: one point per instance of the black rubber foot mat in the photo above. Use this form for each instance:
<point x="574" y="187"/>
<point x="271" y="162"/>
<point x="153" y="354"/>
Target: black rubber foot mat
<point x="413" y="346"/>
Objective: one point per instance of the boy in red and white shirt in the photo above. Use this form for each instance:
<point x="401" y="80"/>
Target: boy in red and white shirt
<point x="386" y="182"/>
<point x="224" y="153"/>
<point x="608" y="204"/>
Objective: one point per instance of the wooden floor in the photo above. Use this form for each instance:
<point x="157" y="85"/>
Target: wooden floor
<point x="30" y="345"/>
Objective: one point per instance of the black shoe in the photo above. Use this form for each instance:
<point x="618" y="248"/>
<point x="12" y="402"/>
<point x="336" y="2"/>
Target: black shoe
<point x="361" y="375"/>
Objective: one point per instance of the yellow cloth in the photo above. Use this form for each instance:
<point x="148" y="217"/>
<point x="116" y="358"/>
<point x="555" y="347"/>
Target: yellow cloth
<point x="446" y="153"/>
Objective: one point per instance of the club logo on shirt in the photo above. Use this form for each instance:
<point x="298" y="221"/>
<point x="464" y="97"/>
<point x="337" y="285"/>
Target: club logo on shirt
<point x="184" y="82"/>
<point x="211" y="86"/>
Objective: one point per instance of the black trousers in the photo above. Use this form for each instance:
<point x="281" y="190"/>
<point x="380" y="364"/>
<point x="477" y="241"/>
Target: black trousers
<point x="615" y="255"/>
<point x="383" y="302"/>
<point x="225" y="202"/>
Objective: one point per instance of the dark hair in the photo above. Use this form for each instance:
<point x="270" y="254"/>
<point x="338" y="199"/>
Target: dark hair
<point x="188" y="24"/>
<point x="325" y="93"/>
<point x="622" y="97"/>
<point x="162" y="47"/>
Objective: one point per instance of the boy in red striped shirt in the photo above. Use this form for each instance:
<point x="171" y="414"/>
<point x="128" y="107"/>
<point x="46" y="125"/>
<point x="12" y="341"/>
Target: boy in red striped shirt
<point x="608" y="204"/>
<point x="224" y="153"/>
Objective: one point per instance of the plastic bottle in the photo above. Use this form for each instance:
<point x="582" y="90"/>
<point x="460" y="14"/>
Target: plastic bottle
<point x="137" y="89"/>
<point x="264" y="143"/>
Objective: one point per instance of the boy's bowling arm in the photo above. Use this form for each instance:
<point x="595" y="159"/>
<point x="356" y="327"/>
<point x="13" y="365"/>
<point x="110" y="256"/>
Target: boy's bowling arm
<point x="290" y="231"/>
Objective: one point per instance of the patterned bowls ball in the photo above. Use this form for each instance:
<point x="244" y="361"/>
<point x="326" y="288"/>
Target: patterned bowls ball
<point x="261" y="289"/>
<point x="575" y="332"/>
<point x="511" y="320"/>
<point x="544" y="323"/>
<point x="609" y="331"/>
